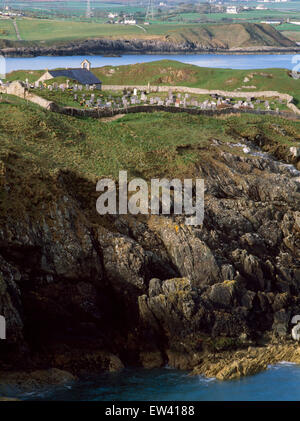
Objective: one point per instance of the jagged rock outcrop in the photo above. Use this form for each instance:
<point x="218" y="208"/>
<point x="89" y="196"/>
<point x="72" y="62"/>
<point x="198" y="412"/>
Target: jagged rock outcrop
<point x="83" y="292"/>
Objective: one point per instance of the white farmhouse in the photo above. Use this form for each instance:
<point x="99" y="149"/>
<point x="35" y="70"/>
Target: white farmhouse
<point x="231" y="9"/>
<point x="129" y="21"/>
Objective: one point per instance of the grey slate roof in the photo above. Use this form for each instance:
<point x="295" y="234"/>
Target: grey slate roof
<point x="83" y="76"/>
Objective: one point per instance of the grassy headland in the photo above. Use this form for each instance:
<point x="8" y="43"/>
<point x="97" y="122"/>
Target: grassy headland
<point x="146" y="144"/>
<point x="169" y="72"/>
<point x="47" y="32"/>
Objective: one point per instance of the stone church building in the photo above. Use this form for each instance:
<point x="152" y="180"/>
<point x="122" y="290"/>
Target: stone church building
<point x="82" y="75"/>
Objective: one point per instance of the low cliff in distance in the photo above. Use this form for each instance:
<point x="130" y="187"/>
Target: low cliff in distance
<point x="230" y="36"/>
<point x="241" y="37"/>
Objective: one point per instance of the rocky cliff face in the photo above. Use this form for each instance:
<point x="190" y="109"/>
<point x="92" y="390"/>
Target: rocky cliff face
<point x="138" y="46"/>
<point x="83" y="292"/>
<point x="237" y="37"/>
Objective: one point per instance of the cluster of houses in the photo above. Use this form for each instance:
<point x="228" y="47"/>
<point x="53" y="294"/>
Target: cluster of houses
<point x="122" y="19"/>
<point x="8" y="13"/>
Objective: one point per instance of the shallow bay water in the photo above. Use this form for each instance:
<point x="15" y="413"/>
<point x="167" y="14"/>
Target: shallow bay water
<point x="278" y="383"/>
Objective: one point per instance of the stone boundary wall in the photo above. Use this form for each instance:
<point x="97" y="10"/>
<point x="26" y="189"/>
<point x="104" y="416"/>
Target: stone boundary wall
<point x="18" y="89"/>
<point x="77" y="112"/>
<point x="233" y="94"/>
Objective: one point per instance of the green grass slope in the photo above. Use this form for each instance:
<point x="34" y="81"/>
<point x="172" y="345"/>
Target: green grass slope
<point x="39" y="150"/>
<point x="145" y="144"/>
<point x="169" y="72"/>
<point x="236" y="35"/>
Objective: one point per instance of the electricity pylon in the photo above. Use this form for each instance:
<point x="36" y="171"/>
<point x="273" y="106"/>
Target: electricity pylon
<point x="150" y="10"/>
<point x="88" y="9"/>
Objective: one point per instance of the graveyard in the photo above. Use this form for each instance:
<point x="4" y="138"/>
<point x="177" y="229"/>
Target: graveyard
<point x="173" y="73"/>
<point x="71" y="94"/>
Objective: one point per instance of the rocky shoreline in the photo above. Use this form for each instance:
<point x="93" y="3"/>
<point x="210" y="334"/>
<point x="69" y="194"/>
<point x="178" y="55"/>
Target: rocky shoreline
<point x="103" y="46"/>
<point x="225" y="365"/>
<point x="247" y="362"/>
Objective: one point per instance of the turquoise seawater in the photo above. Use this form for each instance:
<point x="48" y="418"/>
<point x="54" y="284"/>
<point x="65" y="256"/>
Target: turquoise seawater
<point x="280" y="382"/>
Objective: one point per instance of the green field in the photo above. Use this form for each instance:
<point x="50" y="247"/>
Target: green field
<point x="290" y="31"/>
<point x="62" y="30"/>
<point x="175" y="14"/>
<point x="249" y="16"/>
<point x="69" y="9"/>
<point x="293" y="35"/>
<point x="7" y="30"/>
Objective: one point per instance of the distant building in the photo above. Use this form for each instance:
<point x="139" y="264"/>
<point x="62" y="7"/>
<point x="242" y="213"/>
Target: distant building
<point x="271" y="22"/>
<point x="9" y="14"/>
<point x="83" y="75"/>
<point x="129" y="21"/>
<point x="232" y="10"/>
